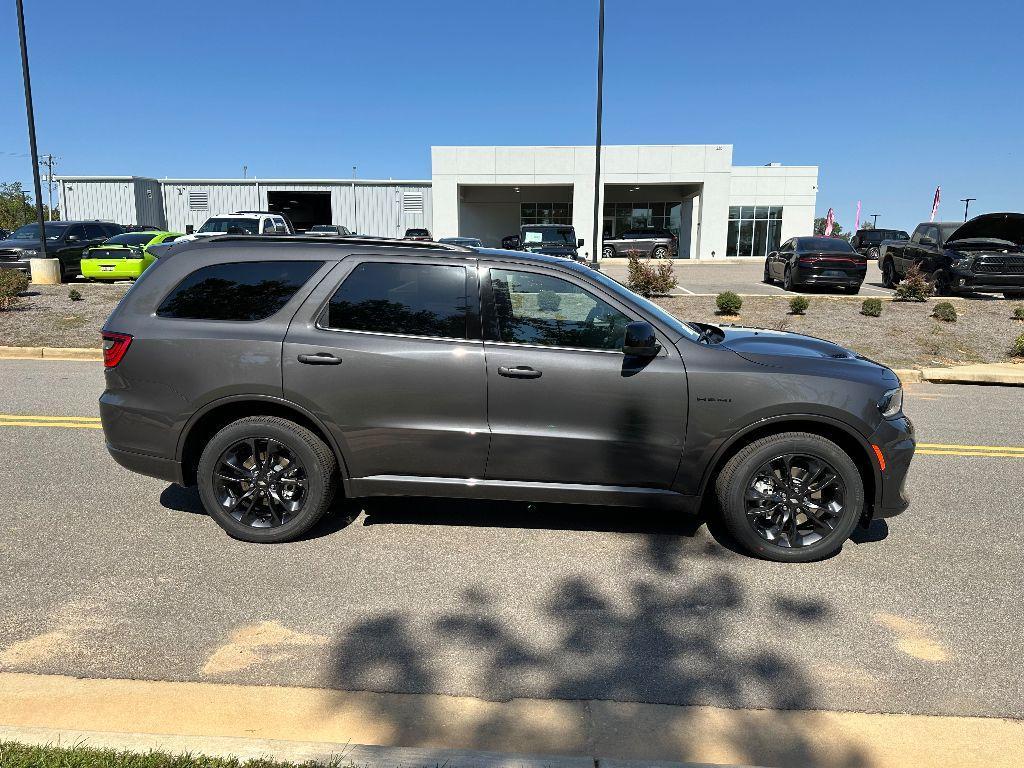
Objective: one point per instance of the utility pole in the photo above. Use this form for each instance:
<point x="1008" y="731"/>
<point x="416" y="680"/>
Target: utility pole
<point x="874" y="220"/>
<point x="245" y="171"/>
<point x="31" y="129"/>
<point x="967" y="204"/>
<point x="597" y="141"/>
<point x="47" y="160"/>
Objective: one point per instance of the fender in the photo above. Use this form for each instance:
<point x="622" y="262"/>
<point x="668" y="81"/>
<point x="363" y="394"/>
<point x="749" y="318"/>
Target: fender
<point x="782" y="419"/>
<point x="270" y="399"/>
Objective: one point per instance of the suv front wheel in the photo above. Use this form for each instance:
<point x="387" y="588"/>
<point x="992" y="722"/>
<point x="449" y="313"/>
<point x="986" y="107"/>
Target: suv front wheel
<point x="266" y="479"/>
<point x="792" y="497"/>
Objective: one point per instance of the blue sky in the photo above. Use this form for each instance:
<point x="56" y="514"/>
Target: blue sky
<point x="889" y="99"/>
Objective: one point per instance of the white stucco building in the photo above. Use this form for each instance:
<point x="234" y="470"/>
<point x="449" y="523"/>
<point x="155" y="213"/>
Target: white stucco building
<point x="715" y="208"/>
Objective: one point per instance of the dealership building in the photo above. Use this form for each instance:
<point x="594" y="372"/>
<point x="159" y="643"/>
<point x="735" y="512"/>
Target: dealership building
<point x="715" y="208"/>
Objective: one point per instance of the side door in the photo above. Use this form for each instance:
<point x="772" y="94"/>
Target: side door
<point x="564" y="405"/>
<point x="387" y="353"/>
<point x="778" y="264"/>
<point x="907" y="253"/>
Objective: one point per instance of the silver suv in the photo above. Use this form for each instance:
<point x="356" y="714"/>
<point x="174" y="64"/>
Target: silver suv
<point x="657" y="243"/>
<point x="276" y="372"/>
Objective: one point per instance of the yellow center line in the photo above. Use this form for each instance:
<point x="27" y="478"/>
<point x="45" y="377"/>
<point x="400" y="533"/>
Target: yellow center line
<point x="33" y="417"/>
<point x="954" y="447"/>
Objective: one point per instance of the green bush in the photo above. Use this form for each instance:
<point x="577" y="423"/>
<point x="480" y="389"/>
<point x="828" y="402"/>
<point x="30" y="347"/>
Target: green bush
<point x="871" y="307"/>
<point x="12" y="283"/>
<point x="798" y="305"/>
<point x="945" y="312"/>
<point x="728" y="303"/>
<point x="74" y="295"/>
<point x="1018" y="312"/>
<point x="1017" y="348"/>
<point x="648" y="278"/>
<point x="548" y="301"/>
<point x="914" y="286"/>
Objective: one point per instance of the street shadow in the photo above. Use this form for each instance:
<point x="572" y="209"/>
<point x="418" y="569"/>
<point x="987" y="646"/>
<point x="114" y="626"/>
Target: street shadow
<point x="604" y="665"/>
<point x="877" y="530"/>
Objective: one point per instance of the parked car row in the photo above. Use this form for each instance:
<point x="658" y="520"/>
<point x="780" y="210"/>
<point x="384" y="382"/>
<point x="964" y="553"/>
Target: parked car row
<point x="66" y="241"/>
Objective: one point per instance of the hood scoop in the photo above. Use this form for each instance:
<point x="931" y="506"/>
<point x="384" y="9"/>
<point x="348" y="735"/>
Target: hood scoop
<point x="754" y="343"/>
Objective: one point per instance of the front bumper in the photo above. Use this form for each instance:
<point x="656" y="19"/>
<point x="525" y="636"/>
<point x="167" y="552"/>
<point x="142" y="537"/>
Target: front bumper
<point x="22" y="265"/>
<point x="895" y="439"/>
<point x="985" y="282"/>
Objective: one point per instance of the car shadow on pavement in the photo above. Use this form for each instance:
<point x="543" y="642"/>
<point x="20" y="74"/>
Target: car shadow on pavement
<point x="670" y="631"/>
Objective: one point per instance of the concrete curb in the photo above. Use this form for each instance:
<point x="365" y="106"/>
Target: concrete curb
<point x="51" y="353"/>
<point x="362" y="755"/>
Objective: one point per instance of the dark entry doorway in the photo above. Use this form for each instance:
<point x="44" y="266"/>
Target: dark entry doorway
<point x="304" y="208"/>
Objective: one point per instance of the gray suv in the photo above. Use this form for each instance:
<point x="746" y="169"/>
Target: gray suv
<point x="276" y="372"/>
<point x="657" y="243"/>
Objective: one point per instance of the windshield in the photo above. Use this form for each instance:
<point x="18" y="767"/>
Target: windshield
<point x="823" y="244"/>
<point x="324" y="228"/>
<point x="130" y="239"/>
<point x="247" y="226"/>
<point x="562" y="236"/>
<point x="31" y="231"/>
<point x="648" y="306"/>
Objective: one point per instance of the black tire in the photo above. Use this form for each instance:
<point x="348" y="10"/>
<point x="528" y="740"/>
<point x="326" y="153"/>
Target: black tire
<point x="1013" y="295"/>
<point x="940" y="283"/>
<point x="661" y="252"/>
<point x="873" y="254"/>
<point x="787" y="279"/>
<point x="768" y="279"/>
<point x="733" y="482"/>
<point x="852" y="289"/>
<point x="313" y="457"/>
<point x="889" y="276"/>
<point x="607" y="252"/>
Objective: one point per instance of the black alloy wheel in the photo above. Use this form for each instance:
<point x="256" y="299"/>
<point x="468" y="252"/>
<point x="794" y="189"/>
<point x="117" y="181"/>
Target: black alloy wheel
<point x="260" y="483"/>
<point x="940" y="283"/>
<point x="787" y="279"/>
<point x="889" y="278"/>
<point x="767" y="274"/>
<point x="795" y="500"/>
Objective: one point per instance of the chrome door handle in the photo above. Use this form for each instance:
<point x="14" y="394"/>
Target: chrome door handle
<point x="519" y="372"/>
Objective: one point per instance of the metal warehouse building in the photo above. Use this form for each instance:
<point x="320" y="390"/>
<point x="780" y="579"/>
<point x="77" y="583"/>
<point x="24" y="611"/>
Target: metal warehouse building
<point x="715" y="209"/>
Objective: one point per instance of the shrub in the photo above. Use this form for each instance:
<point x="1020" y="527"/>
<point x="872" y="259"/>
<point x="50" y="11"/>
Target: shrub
<point x="74" y="295"/>
<point x="798" y="305"/>
<point x="871" y="307"/>
<point x="1018" y="312"/>
<point x="914" y="286"/>
<point x="1017" y="348"/>
<point x="647" y="278"/>
<point x="728" y="303"/>
<point x="548" y="301"/>
<point x="945" y="312"/>
<point x="12" y="283"/>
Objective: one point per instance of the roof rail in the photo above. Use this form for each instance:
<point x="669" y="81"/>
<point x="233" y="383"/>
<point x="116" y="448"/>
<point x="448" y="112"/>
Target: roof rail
<point x="393" y="242"/>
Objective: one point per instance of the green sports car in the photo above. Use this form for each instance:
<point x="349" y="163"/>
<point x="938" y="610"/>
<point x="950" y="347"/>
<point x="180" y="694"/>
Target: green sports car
<point x="123" y="257"/>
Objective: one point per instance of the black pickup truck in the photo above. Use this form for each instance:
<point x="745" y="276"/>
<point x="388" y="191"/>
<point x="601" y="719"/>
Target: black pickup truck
<point x="868" y="242"/>
<point x="985" y="255"/>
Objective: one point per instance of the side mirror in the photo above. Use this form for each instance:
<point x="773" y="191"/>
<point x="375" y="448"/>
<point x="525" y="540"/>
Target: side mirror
<point x="927" y="241"/>
<point x="640" y="340"/>
<point x="73" y="238"/>
<point x="773" y="255"/>
<point x="579" y="243"/>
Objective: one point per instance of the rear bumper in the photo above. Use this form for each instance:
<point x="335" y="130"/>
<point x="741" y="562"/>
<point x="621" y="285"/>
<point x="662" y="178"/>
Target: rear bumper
<point x="820" y="276"/>
<point x="113" y="269"/>
<point x="144" y="464"/>
<point x="895" y="439"/>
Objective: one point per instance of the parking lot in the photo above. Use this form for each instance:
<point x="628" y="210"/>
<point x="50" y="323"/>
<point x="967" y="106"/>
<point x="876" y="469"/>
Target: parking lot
<point x="743" y="278"/>
<point x="108" y="574"/>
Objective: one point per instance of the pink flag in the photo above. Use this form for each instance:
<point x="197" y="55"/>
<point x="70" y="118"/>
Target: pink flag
<point x="830" y="222"/>
<point x="856" y="223"/>
<point x="935" y="202"/>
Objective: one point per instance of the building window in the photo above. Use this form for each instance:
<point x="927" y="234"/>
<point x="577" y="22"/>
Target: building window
<point x="754" y="230"/>
<point x="545" y="213"/>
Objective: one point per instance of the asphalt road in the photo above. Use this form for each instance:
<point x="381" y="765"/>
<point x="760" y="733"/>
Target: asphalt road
<point x="744" y="278"/>
<point x="107" y="574"/>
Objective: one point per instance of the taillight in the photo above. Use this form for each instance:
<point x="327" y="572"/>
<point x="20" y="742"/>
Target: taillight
<point x="114" y="347"/>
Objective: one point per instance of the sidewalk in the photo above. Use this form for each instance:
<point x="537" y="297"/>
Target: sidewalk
<point x="302" y="721"/>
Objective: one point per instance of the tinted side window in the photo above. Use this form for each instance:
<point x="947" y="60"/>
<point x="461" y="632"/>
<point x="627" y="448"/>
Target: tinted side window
<point x="250" y="290"/>
<point x="531" y="308"/>
<point x="95" y="232"/>
<point x="410" y="299"/>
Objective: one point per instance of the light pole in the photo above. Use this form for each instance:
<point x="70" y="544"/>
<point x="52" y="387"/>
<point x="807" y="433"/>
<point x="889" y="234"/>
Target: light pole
<point x="967" y="204"/>
<point x="874" y="220"/>
<point x="31" y="129"/>
<point x="597" y="140"/>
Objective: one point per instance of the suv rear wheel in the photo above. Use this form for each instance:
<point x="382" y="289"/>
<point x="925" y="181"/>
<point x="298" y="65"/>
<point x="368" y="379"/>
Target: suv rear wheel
<point x="661" y="252"/>
<point x="792" y="497"/>
<point x="873" y="254"/>
<point x="608" y="252"/>
<point x="889" y="277"/>
<point x="266" y="479"/>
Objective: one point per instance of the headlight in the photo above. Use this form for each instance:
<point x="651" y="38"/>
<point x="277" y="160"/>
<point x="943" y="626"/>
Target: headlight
<point x="891" y="403"/>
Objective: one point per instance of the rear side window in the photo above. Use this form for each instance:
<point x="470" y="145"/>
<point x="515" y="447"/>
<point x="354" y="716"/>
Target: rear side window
<point x="408" y="299"/>
<point x="250" y="290"/>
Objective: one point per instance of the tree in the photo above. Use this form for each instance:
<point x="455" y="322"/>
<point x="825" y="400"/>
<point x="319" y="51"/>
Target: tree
<point x="17" y="206"/>
<point x="837" y="229"/>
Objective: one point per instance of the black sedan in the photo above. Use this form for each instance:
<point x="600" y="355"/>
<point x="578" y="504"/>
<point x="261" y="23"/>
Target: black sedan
<point x="813" y="261"/>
